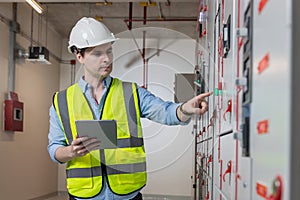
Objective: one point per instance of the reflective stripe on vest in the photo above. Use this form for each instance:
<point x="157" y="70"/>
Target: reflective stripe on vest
<point x="130" y="109"/>
<point x="84" y="172"/>
<point x="64" y="114"/>
<point x="114" y="169"/>
<point x="126" y="168"/>
<point x="130" y="143"/>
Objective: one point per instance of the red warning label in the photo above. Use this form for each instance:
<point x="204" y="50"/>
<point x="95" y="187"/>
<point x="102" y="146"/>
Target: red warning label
<point x="263" y="64"/>
<point x="261" y="190"/>
<point x="263" y="126"/>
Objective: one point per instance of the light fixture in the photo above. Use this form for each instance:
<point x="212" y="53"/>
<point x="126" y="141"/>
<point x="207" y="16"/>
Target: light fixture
<point x="105" y="3"/>
<point x="99" y="18"/>
<point x="35" y="5"/>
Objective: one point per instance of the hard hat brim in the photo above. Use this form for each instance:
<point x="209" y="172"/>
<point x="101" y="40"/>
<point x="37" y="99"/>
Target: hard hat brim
<point x="111" y="40"/>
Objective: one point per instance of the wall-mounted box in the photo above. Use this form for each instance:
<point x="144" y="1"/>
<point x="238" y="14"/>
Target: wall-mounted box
<point x="13" y="114"/>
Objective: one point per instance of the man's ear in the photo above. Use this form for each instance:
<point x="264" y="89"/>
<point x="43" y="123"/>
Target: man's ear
<point x="79" y="58"/>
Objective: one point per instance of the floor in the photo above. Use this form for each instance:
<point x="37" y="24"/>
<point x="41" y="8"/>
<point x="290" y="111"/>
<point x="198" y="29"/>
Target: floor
<point x="59" y="197"/>
<point x="64" y="196"/>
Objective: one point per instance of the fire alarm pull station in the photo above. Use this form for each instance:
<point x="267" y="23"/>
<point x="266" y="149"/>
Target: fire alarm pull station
<point x="13" y="113"/>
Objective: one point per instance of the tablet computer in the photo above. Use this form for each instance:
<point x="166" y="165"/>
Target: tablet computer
<point x="103" y="130"/>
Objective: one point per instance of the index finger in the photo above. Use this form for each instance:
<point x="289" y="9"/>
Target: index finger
<point x="203" y="95"/>
<point x="80" y="140"/>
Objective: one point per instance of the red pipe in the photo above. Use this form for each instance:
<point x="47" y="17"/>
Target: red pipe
<point x="223" y="12"/>
<point x="145" y="70"/>
<point x="145" y="15"/>
<point x="199" y="9"/>
<point x="162" y="20"/>
<point x="130" y="16"/>
<point x="144" y="45"/>
<point x="221" y="169"/>
<point x="237" y="108"/>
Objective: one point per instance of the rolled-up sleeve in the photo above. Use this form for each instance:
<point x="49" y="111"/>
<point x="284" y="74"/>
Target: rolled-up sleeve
<point x="158" y="110"/>
<point x="56" y="135"/>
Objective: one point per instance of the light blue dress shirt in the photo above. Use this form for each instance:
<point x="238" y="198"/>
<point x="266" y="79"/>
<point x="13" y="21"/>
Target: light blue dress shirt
<point x="152" y="108"/>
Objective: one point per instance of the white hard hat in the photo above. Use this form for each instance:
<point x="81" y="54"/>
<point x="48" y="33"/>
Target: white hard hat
<point x="88" y="32"/>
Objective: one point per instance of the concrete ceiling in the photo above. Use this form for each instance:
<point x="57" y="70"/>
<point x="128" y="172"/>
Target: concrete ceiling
<point x="171" y="14"/>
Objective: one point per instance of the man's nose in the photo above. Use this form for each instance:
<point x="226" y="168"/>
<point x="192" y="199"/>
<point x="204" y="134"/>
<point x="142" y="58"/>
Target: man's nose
<point x="106" y="57"/>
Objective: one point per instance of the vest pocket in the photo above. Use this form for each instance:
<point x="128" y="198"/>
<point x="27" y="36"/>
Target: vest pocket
<point x="85" y="183"/>
<point x="127" y="183"/>
<point x="79" y="173"/>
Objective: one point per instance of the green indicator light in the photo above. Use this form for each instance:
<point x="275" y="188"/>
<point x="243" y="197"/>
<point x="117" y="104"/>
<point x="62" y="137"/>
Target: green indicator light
<point x="198" y="81"/>
<point x="216" y="92"/>
<point x="220" y="92"/>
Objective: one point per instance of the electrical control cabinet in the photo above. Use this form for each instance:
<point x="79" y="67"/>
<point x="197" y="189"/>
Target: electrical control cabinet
<point x="246" y="55"/>
<point x="183" y="87"/>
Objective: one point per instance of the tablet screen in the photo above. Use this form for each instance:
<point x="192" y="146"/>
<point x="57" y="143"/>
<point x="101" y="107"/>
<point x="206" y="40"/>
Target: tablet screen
<point x="104" y="130"/>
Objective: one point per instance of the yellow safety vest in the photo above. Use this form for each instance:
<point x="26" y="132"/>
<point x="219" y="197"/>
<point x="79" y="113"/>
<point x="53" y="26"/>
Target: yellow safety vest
<point x="125" y="166"/>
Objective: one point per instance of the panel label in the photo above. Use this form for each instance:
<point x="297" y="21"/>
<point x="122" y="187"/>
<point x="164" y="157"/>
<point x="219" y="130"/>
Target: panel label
<point x="263" y="126"/>
<point x="261" y="190"/>
<point x="261" y="5"/>
<point x="263" y="64"/>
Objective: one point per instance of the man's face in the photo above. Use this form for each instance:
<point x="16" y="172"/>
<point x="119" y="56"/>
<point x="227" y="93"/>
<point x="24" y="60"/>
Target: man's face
<point x="97" y="61"/>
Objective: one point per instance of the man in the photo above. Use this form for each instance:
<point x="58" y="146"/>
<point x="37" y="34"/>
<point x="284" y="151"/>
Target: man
<point x="118" y="173"/>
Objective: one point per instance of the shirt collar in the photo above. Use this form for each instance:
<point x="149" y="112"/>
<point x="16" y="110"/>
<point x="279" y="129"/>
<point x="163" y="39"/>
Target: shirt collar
<point x="84" y="86"/>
